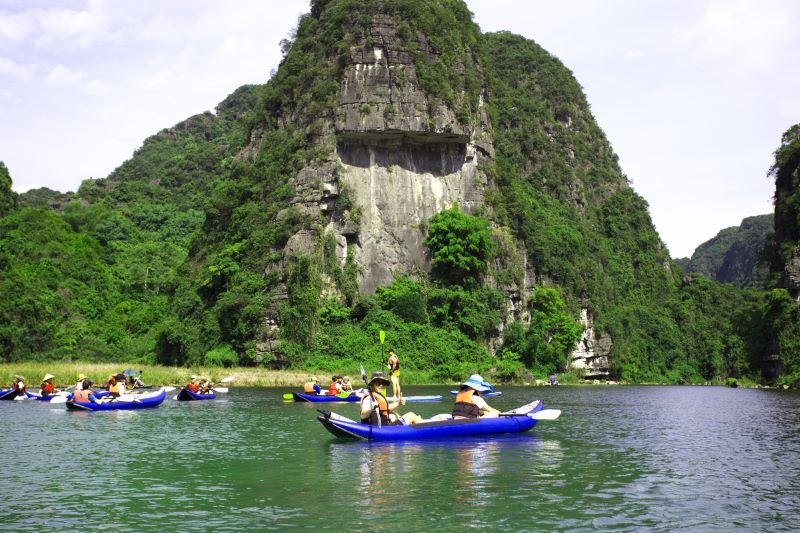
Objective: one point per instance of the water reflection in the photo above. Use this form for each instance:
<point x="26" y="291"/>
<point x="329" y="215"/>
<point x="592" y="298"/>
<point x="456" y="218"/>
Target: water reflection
<point x="623" y="459"/>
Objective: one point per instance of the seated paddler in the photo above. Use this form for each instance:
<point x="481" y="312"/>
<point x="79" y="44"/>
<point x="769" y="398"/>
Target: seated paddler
<point x="117" y="389"/>
<point x="469" y="400"/>
<point x="377" y="410"/>
<point x="85" y="394"/>
<point x="312" y="387"/>
<point x="193" y="386"/>
<point x="47" y="387"/>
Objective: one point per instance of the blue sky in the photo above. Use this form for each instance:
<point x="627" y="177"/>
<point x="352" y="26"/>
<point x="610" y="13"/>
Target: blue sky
<point x="692" y="94"/>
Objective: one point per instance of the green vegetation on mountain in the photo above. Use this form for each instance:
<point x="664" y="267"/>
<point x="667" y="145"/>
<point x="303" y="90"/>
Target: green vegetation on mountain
<point x="782" y="309"/>
<point x="8" y="198"/>
<point x="735" y="254"/>
<point x="180" y="255"/>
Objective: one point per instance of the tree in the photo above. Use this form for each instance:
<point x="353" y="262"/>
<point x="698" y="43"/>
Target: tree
<point x="8" y="198"/>
<point x="460" y="246"/>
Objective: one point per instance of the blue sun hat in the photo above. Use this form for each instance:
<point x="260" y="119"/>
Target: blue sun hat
<point x="476" y="382"/>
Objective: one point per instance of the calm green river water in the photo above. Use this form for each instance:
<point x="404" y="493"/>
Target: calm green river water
<point x="619" y="458"/>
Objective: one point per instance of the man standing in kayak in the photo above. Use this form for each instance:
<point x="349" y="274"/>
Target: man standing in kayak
<point x="394" y="373"/>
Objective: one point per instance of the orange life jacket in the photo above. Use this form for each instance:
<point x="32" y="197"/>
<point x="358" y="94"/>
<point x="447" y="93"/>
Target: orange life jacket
<point x="115" y="389"/>
<point x="464" y="406"/>
<point x="81" y="395"/>
<point x="383" y="409"/>
<point x="332" y="389"/>
<point x="48" y="388"/>
<point x="309" y="388"/>
<point x="193" y="387"/>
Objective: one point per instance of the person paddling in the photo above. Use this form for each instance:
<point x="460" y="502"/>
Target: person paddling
<point x="47" y="387"/>
<point x="18" y="384"/>
<point x="469" y="400"/>
<point x="312" y="387"/>
<point x="376" y="410"/>
<point x="394" y="373"/>
<point x="85" y="393"/>
<point x="193" y="386"/>
<point x="335" y="386"/>
<point x="347" y="386"/>
<point x="118" y="388"/>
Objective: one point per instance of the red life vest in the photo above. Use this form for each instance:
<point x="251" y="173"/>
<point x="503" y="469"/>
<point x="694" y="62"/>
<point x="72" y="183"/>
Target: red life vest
<point x="48" y="388"/>
<point x="332" y="389"/>
<point x="193" y="387"/>
<point x="464" y="406"/>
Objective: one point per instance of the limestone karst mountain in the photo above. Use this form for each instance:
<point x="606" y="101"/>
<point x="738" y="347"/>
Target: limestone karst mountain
<point x="293" y="223"/>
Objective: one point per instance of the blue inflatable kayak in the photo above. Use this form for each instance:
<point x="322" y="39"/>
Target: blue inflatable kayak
<point x="185" y="395"/>
<point x="140" y="401"/>
<point x="305" y="397"/>
<point x="517" y="421"/>
<point x="11" y="394"/>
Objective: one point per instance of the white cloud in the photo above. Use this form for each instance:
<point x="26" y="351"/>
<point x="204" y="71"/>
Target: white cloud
<point x="742" y="31"/>
<point x="10" y="67"/>
<point x="15" y="26"/>
<point x="96" y="88"/>
<point x="67" y="27"/>
<point x="61" y="75"/>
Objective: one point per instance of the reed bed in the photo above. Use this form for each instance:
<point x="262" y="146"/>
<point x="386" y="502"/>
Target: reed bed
<point x="66" y="374"/>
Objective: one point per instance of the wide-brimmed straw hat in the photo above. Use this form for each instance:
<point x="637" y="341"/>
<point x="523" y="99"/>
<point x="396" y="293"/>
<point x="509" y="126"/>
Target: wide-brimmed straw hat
<point x="314" y="378"/>
<point x="81" y="376"/>
<point x="47" y="376"/>
<point x="476" y="382"/>
<point x="379" y="377"/>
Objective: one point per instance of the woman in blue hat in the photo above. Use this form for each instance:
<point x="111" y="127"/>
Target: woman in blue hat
<point x="469" y="400"/>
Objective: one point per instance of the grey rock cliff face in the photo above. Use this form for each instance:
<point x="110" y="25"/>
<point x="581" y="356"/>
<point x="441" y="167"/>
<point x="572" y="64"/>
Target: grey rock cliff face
<point x="591" y="353"/>
<point x="404" y="156"/>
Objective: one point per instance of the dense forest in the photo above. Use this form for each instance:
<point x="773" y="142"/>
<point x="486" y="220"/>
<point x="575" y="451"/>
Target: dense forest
<point x="180" y="255"/>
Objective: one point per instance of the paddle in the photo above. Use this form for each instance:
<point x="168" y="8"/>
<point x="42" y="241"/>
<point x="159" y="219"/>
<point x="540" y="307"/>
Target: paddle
<point x="60" y="397"/>
<point x="382" y="337"/>
<point x="223" y="380"/>
<point x="544" y="414"/>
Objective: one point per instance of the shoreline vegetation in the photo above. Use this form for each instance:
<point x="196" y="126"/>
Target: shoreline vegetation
<point x="66" y="374"/>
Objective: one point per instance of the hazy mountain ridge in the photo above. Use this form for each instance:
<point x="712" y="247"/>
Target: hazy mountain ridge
<point x="734" y="254"/>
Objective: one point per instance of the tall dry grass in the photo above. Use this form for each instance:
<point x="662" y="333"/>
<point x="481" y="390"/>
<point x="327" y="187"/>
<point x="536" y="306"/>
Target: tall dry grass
<point x="67" y="373"/>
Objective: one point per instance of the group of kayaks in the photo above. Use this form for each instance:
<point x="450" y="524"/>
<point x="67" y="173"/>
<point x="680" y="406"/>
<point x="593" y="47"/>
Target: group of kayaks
<point x="142" y="400"/>
<point x="442" y="426"/>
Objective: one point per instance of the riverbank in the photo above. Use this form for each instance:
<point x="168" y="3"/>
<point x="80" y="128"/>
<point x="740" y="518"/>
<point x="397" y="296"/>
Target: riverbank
<point x="66" y="374"/>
